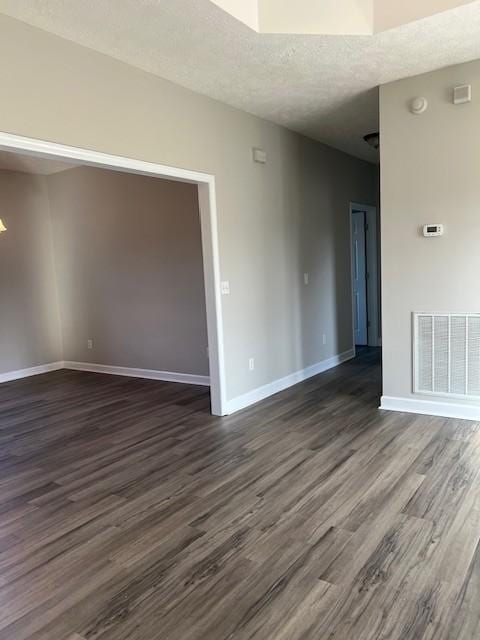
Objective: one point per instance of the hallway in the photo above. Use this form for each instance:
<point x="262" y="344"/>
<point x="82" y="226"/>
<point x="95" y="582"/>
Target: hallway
<point x="129" y="512"/>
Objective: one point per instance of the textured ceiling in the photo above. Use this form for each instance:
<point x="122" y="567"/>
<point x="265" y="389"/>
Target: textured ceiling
<point x="29" y="164"/>
<point x="323" y="86"/>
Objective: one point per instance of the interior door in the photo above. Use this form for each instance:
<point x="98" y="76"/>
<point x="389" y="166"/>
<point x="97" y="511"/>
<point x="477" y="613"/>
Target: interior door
<point x="359" y="269"/>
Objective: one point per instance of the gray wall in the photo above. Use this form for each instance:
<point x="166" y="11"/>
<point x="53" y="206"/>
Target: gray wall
<point x="130" y="275"/>
<point x="29" y="315"/>
<point x="430" y="173"/>
<point x="330" y="181"/>
<point x="273" y="219"/>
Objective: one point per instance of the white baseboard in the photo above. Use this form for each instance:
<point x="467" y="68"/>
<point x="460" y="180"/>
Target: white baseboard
<point x="31" y="371"/>
<point x="251" y="397"/>
<point x="429" y="408"/>
<point x="149" y="374"/>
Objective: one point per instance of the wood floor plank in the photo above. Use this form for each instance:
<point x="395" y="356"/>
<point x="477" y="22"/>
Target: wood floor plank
<point x="128" y="512"/>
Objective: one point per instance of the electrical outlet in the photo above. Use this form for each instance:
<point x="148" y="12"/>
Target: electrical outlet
<point x="324" y="338"/>
<point x="251" y="364"/>
<point x="225" y="287"/>
<point x="89" y="344"/>
<point x="306" y="278"/>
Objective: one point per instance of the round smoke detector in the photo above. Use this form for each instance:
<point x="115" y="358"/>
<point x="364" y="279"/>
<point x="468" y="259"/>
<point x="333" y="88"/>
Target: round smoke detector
<point x="418" y="106"/>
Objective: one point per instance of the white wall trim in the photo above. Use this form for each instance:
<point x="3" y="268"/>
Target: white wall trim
<point x="430" y="408"/>
<point x="149" y="374"/>
<point x="208" y="219"/>
<point x="251" y="397"/>
<point x="30" y="371"/>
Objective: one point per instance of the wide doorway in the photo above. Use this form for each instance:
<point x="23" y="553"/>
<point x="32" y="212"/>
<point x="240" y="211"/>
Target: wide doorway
<point x="112" y="267"/>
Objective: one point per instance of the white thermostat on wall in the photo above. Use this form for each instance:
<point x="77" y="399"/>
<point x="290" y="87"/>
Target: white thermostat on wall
<point x="430" y="230"/>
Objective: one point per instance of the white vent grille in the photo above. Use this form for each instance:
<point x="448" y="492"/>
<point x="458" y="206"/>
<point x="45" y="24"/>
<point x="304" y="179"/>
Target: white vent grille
<point x="446" y="351"/>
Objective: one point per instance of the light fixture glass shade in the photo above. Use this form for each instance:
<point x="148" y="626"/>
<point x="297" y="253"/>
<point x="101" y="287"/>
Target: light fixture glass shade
<point x="2" y="226"/>
<point x="373" y="139"/>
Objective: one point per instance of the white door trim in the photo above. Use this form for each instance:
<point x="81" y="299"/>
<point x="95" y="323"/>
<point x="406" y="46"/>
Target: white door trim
<point x="373" y="287"/>
<point x="208" y="220"/>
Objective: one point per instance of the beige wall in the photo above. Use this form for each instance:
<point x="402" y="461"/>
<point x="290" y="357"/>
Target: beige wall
<point x="310" y="16"/>
<point x="130" y="274"/>
<point x="272" y="219"/>
<point x="391" y="14"/>
<point x="430" y="173"/>
<point x="29" y="318"/>
<point x="333" y="16"/>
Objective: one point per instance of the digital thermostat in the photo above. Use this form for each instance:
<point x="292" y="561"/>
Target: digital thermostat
<point x="430" y="230"/>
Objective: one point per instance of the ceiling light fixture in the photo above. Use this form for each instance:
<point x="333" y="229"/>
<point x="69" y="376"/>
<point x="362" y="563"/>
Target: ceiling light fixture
<point x="2" y="226"/>
<point x="373" y="139"/>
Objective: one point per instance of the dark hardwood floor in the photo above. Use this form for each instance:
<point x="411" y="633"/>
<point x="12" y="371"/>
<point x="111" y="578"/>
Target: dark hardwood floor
<point x="128" y="512"/>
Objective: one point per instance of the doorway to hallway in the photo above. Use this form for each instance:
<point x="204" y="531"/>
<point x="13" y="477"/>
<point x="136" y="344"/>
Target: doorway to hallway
<point x="365" y="280"/>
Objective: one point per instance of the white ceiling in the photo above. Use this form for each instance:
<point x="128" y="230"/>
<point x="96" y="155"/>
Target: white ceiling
<point x="29" y="164"/>
<point x="334" y="17"/>
<point x="323" y="86"/>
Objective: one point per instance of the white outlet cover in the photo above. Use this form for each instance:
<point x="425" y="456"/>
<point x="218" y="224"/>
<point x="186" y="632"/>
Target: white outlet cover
<point x="306" y="278"/>
<point x="225" y="287"/>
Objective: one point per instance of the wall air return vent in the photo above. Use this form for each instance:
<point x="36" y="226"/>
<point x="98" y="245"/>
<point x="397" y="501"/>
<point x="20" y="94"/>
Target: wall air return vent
<point x="446" y="354"/>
